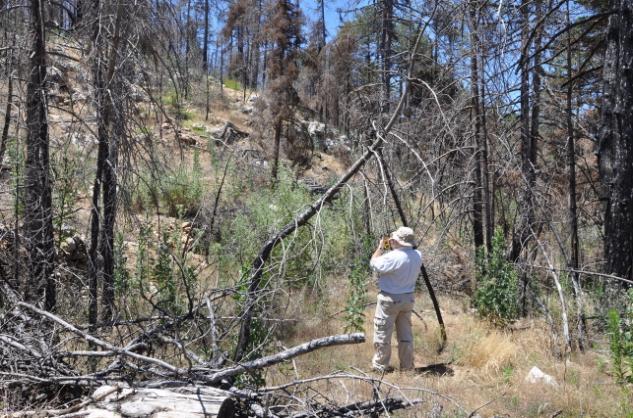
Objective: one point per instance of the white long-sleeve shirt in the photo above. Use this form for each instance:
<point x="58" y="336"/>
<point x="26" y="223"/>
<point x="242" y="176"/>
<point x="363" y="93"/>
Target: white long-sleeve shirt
<point x="398" y="270"/>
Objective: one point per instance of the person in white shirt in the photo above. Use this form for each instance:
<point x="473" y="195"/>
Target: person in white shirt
<point x="397" y="271"/>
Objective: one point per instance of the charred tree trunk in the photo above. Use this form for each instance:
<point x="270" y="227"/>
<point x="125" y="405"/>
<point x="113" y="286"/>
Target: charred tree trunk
<point x="205" y="41"/>
<point x="616" y="141"/>
<point x="109" y="129"/>
<point x="38" y="215"/>
<point x="113" y="119"/>
<point x="386" y="39"/>
<point x="573" y="215"/>
<point x="7" y="117"/>
<point x="478" y="216"/>
<point x="276" y="150"/>
<point x="522" y="234"/>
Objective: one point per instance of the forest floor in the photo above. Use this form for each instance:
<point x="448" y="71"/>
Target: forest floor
<point x="482" y="368"/>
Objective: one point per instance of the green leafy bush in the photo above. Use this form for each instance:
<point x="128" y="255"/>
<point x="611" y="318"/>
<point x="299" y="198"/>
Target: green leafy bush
<point x="621" y="341"/>
<point x="496" y="294"/>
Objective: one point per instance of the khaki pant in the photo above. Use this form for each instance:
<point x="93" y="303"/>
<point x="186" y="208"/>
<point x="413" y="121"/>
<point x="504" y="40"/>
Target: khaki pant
<point x="393" y="310"/>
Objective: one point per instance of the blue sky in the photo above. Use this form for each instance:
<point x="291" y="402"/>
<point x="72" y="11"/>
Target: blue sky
<point x="332" y="21"/>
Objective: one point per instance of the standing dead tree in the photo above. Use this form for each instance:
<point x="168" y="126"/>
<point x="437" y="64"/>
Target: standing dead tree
<point x="38" y="216"/>
<point x="616" y="140"/>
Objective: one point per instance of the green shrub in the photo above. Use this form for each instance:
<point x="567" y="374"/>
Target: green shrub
<point x="232" y="84"/>
<point x="496" y="294"/>
<point x="180" y="192"/>
<point x="621" y="341"/>
<point x="357" y="299"/>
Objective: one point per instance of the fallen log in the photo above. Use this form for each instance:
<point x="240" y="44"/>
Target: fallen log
<point x="186" y="401"/>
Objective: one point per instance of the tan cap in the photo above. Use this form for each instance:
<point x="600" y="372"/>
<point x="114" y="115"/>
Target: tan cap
<point x="404" y="236"/>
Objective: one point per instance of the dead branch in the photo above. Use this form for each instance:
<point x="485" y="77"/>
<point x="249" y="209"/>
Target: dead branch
<point x="298" y="350"/>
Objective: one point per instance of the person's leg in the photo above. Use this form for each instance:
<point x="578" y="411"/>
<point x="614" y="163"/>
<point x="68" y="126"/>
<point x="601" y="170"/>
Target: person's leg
<point x="383" y="328"/>
<point x="404" y="331"/>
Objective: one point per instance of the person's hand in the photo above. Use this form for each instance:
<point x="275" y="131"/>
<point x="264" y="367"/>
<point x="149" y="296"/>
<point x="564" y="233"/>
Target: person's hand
<point x="381" y="244"/>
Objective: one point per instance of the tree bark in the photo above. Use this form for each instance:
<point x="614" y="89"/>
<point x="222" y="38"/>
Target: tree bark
<point x="276" y="150"/>
<point x="616" y="141"/>
<point x="38" y="216"/>
<point x="573" y="215"/>
<point x="386" y="39"/>
<point x="7" y="117"/>
<point x="478" y="216"/>
<point x="522" y="234"/>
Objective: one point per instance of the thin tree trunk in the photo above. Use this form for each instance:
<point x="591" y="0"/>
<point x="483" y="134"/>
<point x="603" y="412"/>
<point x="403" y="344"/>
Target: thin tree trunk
<point x="276" y="150"/>
<point x="385" y="46"/>
<point x="95" y="265"/>
<point x="7" y="118"/>
<point x="114" y="123"/>
<point x="205" y="58"/>
<point x="522" y="235"/>
<point x="38" y="217"/>
<point x="573" y="215"/>
<point x="478" y="227"/>
<point x="485" y="167"/>
<point x="205" y="40"/>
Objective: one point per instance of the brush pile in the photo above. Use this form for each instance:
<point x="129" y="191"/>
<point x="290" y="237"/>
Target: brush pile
<point x="148" y="367"/>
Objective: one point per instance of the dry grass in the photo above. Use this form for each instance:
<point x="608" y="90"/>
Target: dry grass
<point x="489" y="365"/>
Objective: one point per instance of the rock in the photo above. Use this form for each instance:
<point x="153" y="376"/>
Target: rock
<point x="317" y="132"/>
<point x="74" y="250"/>
<point x="536" y="375"/>
<point x="247" y="109"/>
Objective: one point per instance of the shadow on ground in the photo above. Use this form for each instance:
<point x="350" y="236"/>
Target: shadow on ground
<point x="439" y="369"/>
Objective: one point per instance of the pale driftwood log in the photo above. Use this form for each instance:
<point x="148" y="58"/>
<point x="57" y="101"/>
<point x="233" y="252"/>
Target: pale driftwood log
<point x="186" y="401"/>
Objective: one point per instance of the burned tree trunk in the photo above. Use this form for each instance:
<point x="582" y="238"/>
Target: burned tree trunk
<point x="523" y="232"/>
<point x="7" y="113"/>
<point x="616" y="141"/>
<point x="38" y="215"/>
<point x="478" y="215"/>
<point x="573" y="213"/>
